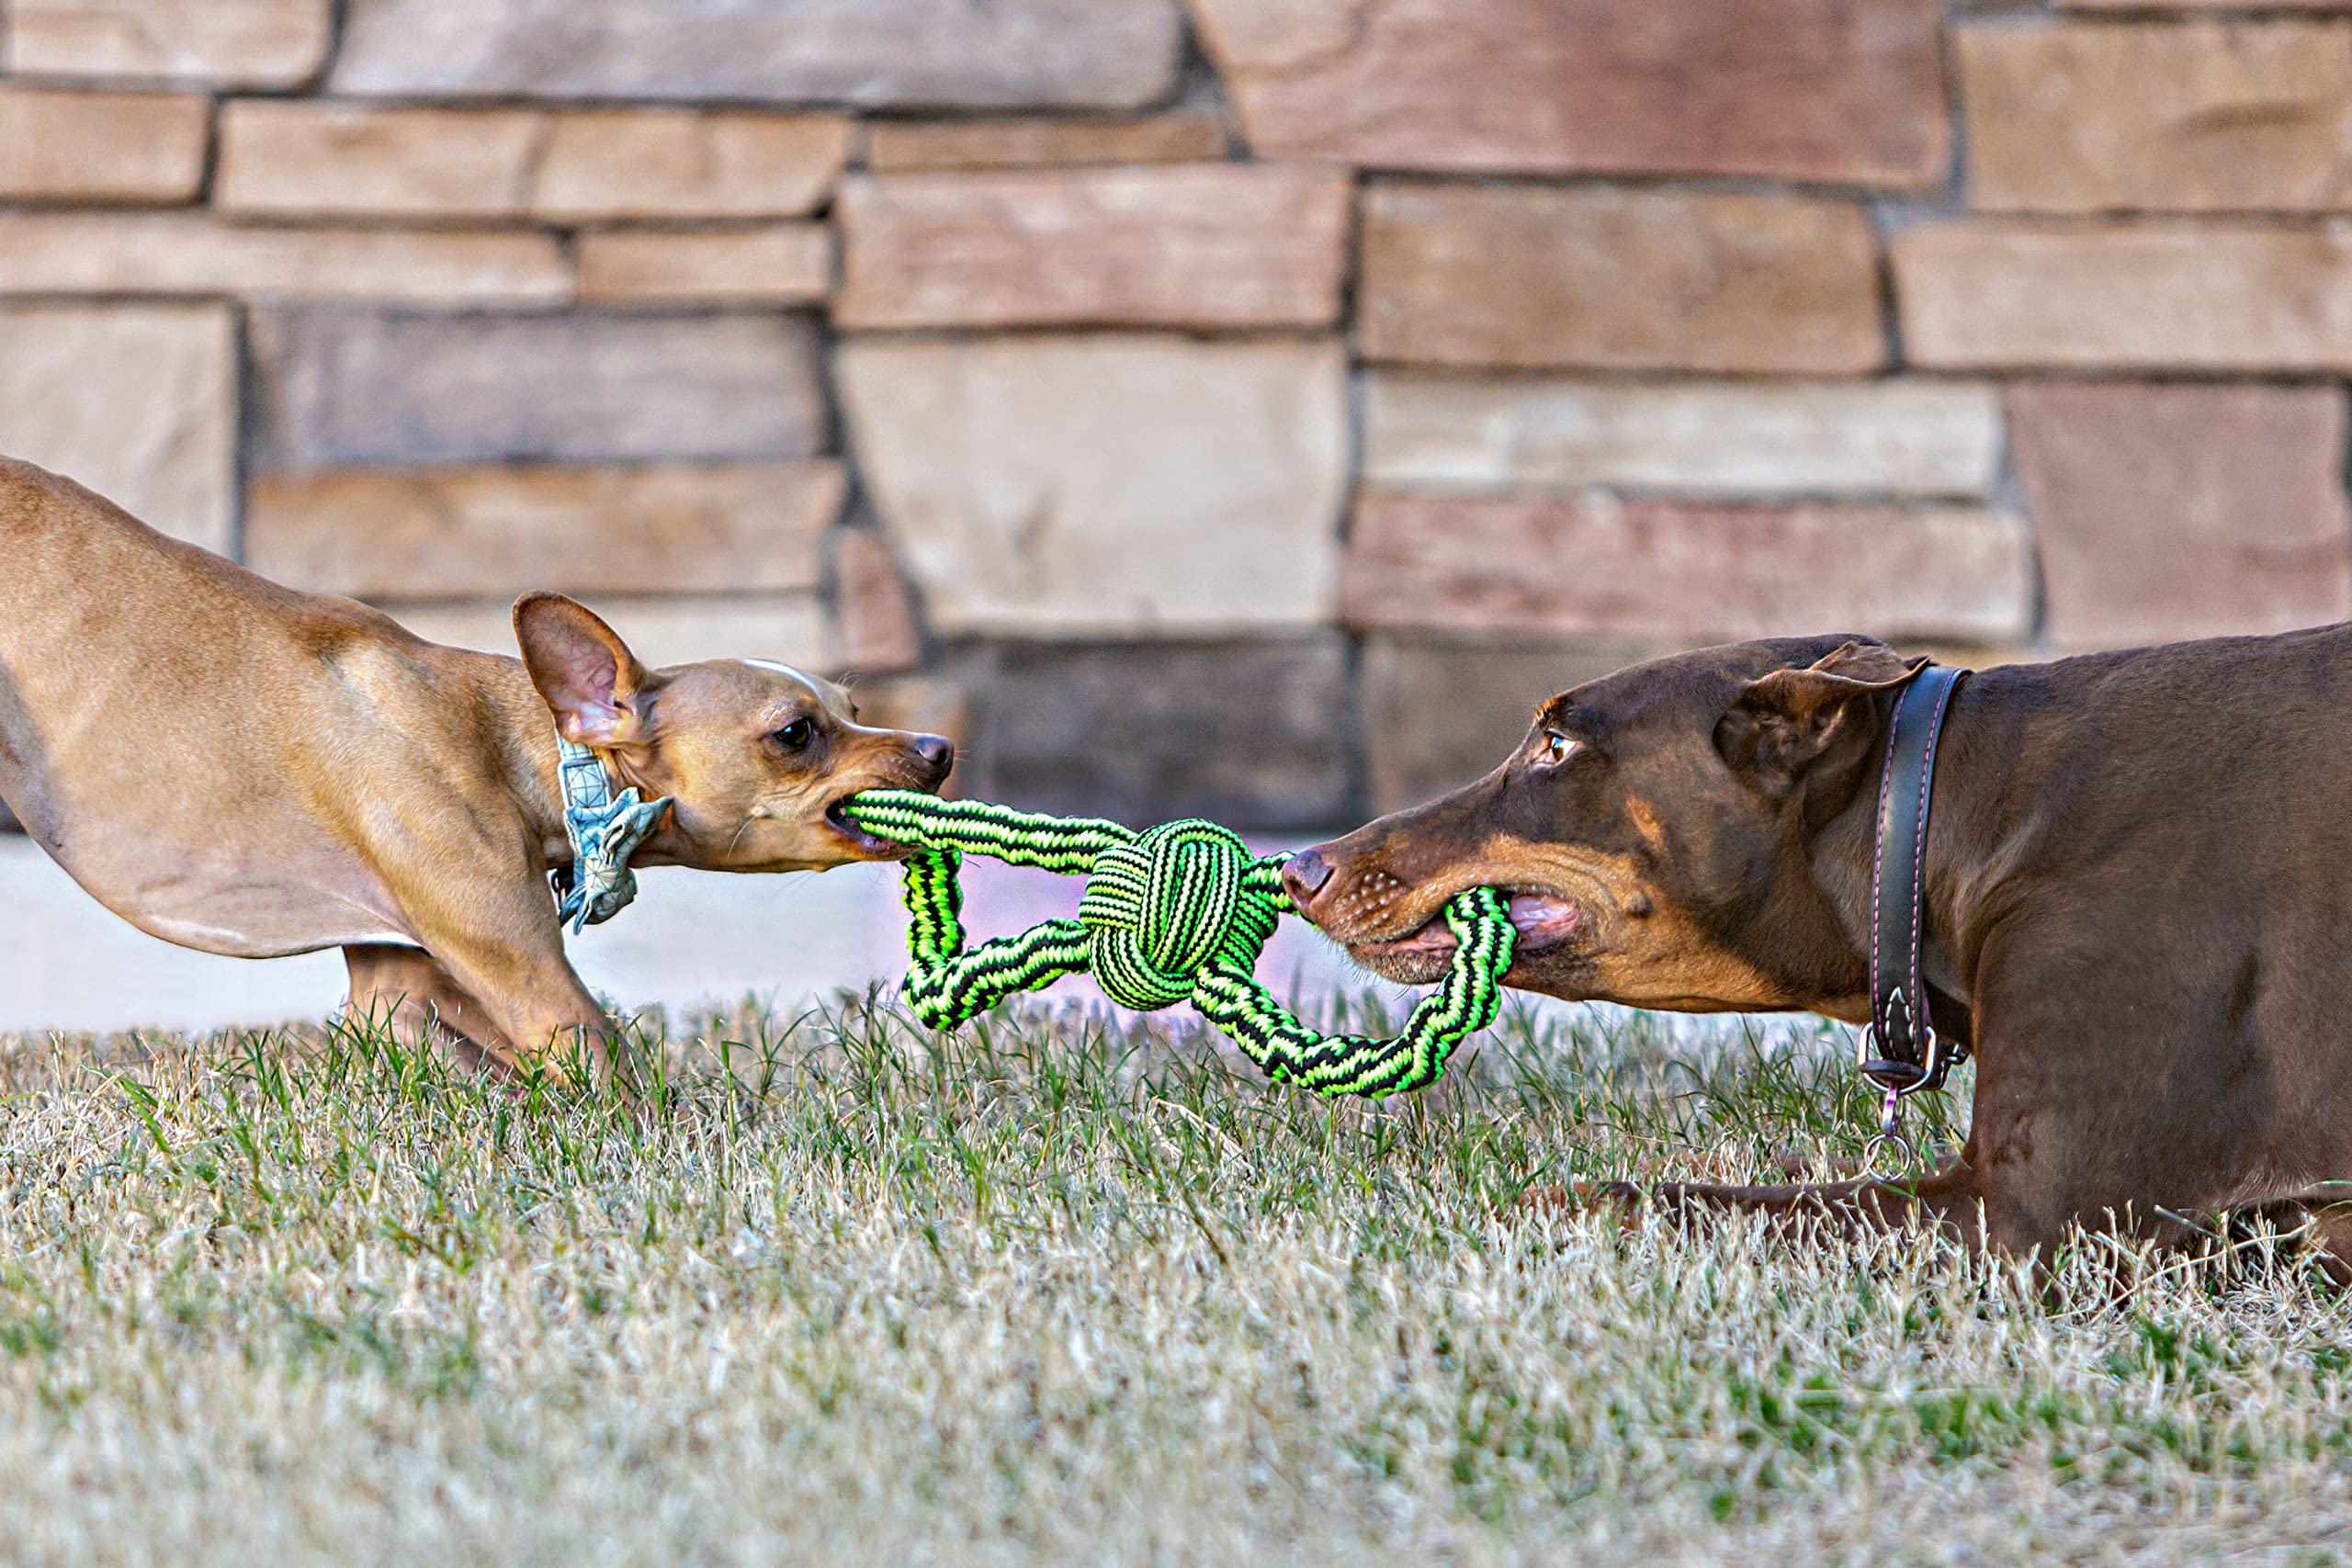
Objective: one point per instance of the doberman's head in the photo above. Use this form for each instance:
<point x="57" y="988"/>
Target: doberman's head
<point x="1651" y="831"/>
<point x="757" y="755"/>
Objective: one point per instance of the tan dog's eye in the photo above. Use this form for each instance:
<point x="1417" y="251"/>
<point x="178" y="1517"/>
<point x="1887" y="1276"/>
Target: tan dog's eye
<point x="1556" y="749"/>
<point x="795" y="736"/>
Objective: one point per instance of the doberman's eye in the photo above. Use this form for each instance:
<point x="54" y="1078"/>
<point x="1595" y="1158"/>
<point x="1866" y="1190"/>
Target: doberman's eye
<point x="795" y="736"/>
<point x="1556" y="749"/>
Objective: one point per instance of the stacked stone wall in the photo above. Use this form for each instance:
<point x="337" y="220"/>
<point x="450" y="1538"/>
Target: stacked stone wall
<point x="1220" y="405"/>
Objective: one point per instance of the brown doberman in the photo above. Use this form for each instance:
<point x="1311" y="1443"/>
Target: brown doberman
<point x="2137" y="902"/>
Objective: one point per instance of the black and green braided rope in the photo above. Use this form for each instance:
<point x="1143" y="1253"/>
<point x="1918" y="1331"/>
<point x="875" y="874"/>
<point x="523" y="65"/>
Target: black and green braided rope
<point x="1174" y="913"/>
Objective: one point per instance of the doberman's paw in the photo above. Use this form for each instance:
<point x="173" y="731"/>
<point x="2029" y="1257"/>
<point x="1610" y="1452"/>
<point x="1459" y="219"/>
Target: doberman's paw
<point x="1578" y="1196"/>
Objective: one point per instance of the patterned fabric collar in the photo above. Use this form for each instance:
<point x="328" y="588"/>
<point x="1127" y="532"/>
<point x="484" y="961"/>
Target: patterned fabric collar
<point x="605" y="830"/>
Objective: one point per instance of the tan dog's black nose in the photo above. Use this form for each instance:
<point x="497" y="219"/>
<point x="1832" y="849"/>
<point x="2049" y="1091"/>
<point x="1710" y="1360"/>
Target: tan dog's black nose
<point x="937" y="753"/>
<point x="1304" y="874"/>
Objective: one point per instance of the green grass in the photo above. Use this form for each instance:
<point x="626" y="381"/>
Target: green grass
<point x="1074" y="1290"/>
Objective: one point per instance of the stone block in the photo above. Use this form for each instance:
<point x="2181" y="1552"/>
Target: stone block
<point x="2169" y="511"/>
<point x="193" y="252"/>
<point x="1209" y="245"/>
<point x="58" y="144"/>
<point x="301" y="158"/>
<point x="461" y="532"/>
<point x="138" y="402"/>
<point x="1902" y="437"/>
<point x="1111" y="485"/>
<point x="1256" y="734"/>
<point x="676" y="165"/>
<point x="2124" y="295"/>
<point x="973" y="54"/>
<point x="226" y="44"/>
<point x="297" y="158"/>
<point x="781" y="264"/>
<point x="1185" y="136"/>
<point x="880" y="633"/>
<point x="1598" y="566"/>
<point x="347" y="388"/>
<point x="2199" y="117"/>
<point x="1849" y="92"/>
<point x="1540" y="277"/>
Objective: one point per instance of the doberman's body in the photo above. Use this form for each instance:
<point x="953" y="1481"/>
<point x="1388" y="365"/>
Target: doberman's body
<point x="240" y="768"/>
<point x="2138" y="903"/>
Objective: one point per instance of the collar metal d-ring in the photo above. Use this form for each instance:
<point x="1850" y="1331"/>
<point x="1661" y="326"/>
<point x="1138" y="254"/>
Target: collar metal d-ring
<point x="1891" y="1076"/>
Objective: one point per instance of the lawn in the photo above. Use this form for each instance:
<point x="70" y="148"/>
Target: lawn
<point x="1066" y="1289"/>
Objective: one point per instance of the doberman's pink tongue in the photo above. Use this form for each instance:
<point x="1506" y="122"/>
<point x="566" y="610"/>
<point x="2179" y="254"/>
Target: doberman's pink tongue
<point x="1431" y="937"/>
<point x="1542" y="921"/>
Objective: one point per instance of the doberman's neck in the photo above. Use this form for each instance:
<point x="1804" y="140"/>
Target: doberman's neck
<point x="1961" y="846"/>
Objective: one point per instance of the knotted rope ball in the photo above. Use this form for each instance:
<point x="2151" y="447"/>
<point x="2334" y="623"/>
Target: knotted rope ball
<point x="1175" y="913"/>
<point x="1157" y="910"/>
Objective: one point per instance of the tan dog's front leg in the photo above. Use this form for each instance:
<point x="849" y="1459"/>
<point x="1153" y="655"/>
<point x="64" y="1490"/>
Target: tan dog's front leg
<point x="535" y="1001"/>
<point x="500" y="945"/>
<point x="407" y="991"/>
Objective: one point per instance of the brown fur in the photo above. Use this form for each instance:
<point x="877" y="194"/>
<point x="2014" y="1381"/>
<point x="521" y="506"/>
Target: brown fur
<point x="2136" y="902"/>
<point x="240" y="768"/>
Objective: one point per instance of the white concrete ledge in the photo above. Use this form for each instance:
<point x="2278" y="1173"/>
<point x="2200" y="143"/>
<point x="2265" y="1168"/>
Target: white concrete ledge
<point x="691" y="939"/>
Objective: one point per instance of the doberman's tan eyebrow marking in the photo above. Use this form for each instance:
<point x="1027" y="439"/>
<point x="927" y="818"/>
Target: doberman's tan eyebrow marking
<point x="1569" y="717"/>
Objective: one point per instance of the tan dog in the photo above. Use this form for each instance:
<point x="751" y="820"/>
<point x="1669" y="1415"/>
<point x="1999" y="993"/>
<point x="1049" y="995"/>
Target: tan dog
<point x="242" y="769"/>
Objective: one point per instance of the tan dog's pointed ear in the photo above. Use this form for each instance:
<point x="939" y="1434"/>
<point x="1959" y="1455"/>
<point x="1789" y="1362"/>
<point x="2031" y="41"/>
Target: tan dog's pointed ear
<point x="1784" y="724"/>
<point x="592" y="681"/>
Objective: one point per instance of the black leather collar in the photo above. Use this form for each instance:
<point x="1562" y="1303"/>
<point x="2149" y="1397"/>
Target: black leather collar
<point x="1901" y="1051"/>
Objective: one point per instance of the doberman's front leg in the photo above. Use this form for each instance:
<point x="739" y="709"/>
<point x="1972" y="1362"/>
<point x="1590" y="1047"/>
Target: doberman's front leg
<point x="2080" y="1117"/>
<point x="1951" y="1200"/>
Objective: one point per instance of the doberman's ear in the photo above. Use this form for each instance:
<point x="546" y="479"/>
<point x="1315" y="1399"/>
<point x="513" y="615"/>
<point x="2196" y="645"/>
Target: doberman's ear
<point x="593" y="682"/>
<point x="1790" y="722"/>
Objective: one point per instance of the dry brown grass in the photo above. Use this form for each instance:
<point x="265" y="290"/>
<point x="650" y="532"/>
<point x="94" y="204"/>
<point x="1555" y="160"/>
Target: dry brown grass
<point x="1069" y="1291"/>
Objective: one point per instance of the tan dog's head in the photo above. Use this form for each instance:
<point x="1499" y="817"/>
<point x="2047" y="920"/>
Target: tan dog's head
<point x="757" y="756"/>
<point x="1652" y="832"/>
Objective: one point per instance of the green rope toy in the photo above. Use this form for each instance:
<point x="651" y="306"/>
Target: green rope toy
<point x="1174" y="913"/>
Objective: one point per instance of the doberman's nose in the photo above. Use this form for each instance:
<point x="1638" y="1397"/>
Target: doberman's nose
<point x="937" y="753"/>
<point x="1304" y="874"/>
